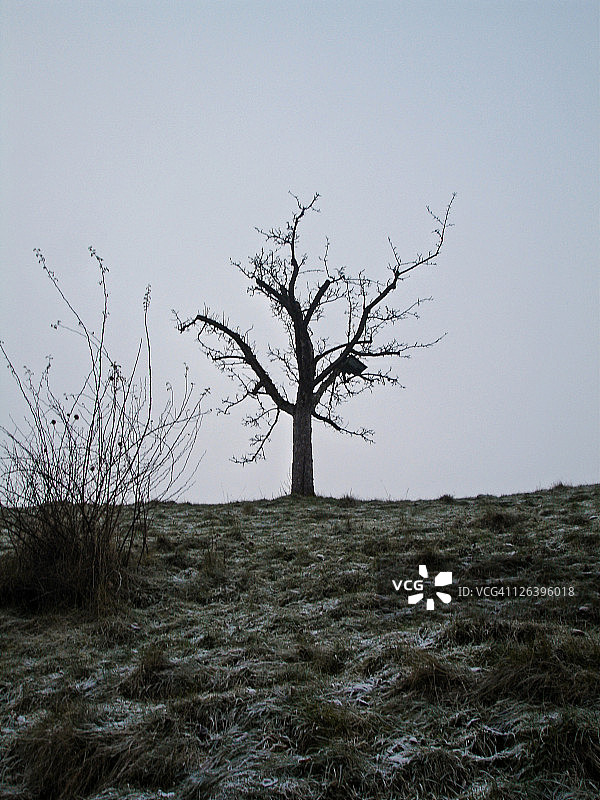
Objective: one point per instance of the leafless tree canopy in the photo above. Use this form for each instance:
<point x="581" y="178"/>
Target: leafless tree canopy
<point x="320" y="372"/>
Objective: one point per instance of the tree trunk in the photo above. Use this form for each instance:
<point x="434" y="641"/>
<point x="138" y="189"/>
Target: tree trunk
<point x="302" y="460"/>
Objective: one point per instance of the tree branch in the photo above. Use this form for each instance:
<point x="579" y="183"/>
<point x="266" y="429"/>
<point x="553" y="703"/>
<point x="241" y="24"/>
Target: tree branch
<point x="260" y="440"/>
<point x="293" y="235"/>
<point x="362" y="433"/>
<point x="248" y="355"/>
<point x="323" y="379"/>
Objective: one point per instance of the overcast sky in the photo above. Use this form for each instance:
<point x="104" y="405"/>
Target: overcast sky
<point x="163" y="133"/>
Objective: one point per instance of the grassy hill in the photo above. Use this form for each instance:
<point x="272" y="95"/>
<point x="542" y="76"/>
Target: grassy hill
<point x="263" y="651"/>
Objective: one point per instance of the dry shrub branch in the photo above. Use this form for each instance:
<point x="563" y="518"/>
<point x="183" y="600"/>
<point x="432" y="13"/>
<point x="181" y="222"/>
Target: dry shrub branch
<point x="77" y="477"/>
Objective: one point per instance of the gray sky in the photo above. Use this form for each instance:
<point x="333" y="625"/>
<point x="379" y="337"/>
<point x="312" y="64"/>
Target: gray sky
<point x="162" y="133"/>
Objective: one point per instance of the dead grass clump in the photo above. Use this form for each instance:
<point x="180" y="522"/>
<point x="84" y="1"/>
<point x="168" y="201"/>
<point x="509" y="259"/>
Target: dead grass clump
<point x="64" y="697"/>
<point x="213" y="711"/>
<point x="583" y="540"/>
<point x="538" y="673"/>
<point x="143" y="590"/>
<point x="315" y="723"/>
<point x="434" y="679"/>
<point x="156" y="677"/>
<point x="347" y="501"/>
<point x="62" y="566"/>
<point x="430" y="554"/>
<point x="212" y="566"/>
<point x="231" y="772"/>
<point x="179" y="558"/>
<point x="320" y="514"/>
<point x="345" y="772"/>
<point x="152" y="675"/>
<point x="294" y="673"/>
<point x="18" y="698"/>
<point x="348" y="582"/>
<point x="75" y="753"/>
<point x="164" y="544"/>
<point x="211" y="576"/>
<point x="210" y="639"/>
<point x="351" y="582"/>
<point x="430" y="772"/>
<point x="374" y="545"/>
<point x="578" y="651"/>
<point x="114" y="631"/>
<point x="344" y="526"/>
<point x="578" y="519"/>
<point x="447" y="499"/>
<point x="303" y="556"/>
<point x="329" y="660"/>
<point x="474" y="630"/>
<point x="495" y="567"/>
<point x="489" y="742"/>
<point x="376" y="662"/>
<point x="54" y="756"/>
<point x="567" y="743"/>
<point x="560" y="487"/>
<point x="496" y="520"/>
<point x="235" y="531"/>
<point x="279" y="552"/>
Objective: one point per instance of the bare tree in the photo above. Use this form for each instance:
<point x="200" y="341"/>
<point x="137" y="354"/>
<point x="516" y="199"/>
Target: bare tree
<point x="324" y="375"/>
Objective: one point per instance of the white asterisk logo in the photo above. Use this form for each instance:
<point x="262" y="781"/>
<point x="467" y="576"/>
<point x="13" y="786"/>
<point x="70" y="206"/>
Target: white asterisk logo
<point x="441" y="579"/>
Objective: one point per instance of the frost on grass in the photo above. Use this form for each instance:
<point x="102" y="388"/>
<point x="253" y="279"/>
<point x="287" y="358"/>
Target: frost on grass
<point x="263" y="652"/>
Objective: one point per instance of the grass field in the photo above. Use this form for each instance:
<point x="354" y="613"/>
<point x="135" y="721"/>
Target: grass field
<point x="263" y="651"/>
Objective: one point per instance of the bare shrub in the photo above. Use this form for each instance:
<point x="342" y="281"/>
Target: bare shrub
<point x="78" y="476"/>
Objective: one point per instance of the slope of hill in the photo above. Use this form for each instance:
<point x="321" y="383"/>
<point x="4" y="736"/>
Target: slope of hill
<point x="268" y="649"/>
